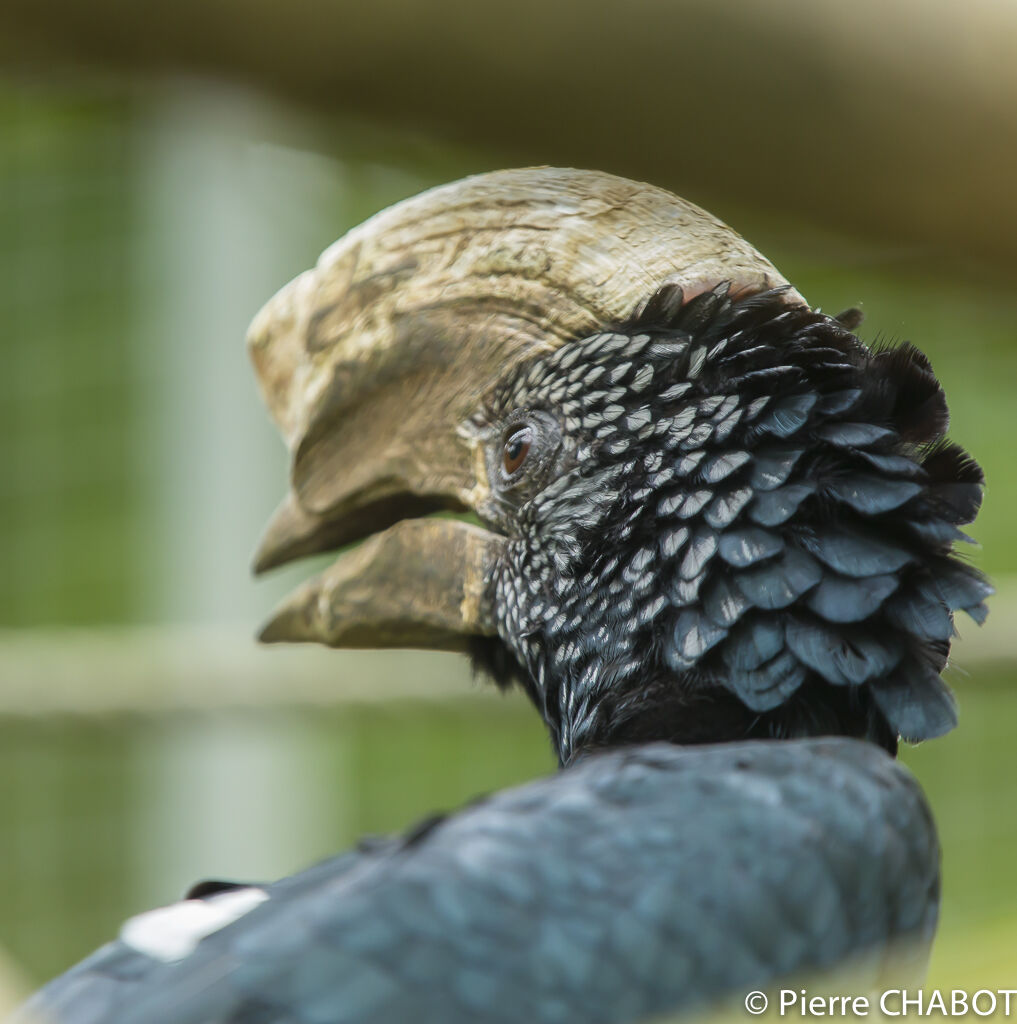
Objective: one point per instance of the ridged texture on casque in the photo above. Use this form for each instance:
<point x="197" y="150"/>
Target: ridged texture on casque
<point x="633" y="884"/>
<point x="370" y="361"/>
<point x="749" y="500"/>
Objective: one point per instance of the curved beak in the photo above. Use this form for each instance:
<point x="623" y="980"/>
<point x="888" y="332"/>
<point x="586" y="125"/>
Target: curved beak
<point x="374" y="363"/>
<point x="377" y="444"/>
<point x="420" y="583"/>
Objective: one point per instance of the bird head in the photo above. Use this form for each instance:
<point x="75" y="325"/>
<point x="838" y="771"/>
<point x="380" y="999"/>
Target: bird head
<point x="701" y="510"/>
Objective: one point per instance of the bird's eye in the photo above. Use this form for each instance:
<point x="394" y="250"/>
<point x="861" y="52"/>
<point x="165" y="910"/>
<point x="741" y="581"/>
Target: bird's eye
<point x="516" y="448"/>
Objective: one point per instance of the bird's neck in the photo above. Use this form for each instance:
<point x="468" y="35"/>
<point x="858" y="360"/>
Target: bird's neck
<point x="597" y="711"/>
<point x="689" y="711"/>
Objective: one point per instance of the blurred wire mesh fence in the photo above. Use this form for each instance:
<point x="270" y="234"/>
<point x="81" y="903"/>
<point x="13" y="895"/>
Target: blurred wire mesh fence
<point x="144" y="741"/>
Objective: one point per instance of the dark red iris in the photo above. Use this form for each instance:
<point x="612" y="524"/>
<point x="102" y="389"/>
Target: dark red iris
<point x="517" y="447"/>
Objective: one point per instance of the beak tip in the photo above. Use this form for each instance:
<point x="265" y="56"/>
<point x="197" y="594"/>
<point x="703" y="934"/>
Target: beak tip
<point x="263" y="560"/>
<point x="288" y="625"/>
<point x="271" y="633"/>
<point x="267" y="634"/>
<point x="291" y="533"/>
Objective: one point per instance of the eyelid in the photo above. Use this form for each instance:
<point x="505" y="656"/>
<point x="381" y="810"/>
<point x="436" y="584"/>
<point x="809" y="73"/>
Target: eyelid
<point x="544" y="441"/>
<point x="526" y="443"/>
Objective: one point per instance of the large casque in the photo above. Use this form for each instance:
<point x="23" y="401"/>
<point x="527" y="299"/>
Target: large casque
<point x="375" y="356"/>
<point x="542" y="255"/>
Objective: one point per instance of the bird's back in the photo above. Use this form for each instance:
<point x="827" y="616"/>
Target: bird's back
<point x="634" y="883"/>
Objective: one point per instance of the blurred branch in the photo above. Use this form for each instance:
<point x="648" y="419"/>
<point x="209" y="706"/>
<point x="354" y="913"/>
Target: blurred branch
<point x="185" y="668"/>
<point x="167" y="668"/>
<point x="893" y="117"/>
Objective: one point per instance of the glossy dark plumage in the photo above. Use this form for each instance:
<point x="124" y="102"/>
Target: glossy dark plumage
<point x="588" y="897"/>
<point x="756" y="522"/>
<point x="742" y="530"/>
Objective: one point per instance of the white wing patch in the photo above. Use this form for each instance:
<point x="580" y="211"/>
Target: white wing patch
<point x="172" y="933"/>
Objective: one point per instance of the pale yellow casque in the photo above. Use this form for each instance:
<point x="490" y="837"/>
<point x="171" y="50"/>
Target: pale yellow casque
<point x="371" y="362"/>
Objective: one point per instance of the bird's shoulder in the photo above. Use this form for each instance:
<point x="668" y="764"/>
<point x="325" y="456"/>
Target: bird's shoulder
<point x="633" y="882"/>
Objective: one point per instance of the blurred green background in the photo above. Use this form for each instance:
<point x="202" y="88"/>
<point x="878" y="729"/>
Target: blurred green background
<point x="145" y="742"/>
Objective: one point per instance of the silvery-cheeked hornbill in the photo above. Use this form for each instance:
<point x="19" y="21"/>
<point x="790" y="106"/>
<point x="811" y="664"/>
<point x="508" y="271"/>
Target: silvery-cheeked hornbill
<point x="716" y="553"/>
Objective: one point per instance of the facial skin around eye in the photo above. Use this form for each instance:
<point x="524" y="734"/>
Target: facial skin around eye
<point x="523" y="455"/>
